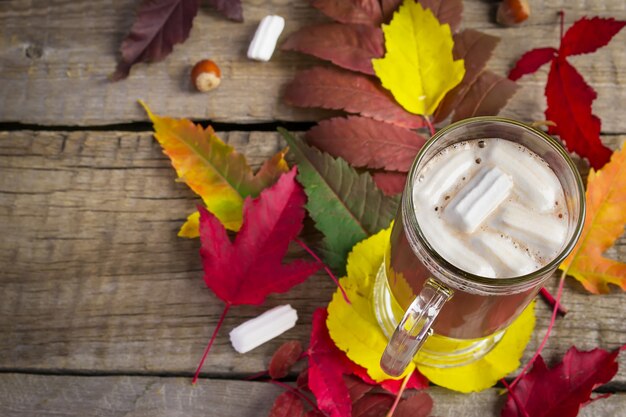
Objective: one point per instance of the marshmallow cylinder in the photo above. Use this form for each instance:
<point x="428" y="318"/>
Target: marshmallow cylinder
<point x="254" y="332"/>
<point x="265" y="38"/>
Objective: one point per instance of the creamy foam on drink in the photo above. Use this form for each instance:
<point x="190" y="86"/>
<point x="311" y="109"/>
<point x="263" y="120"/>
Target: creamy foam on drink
<point x="491" y="207"/>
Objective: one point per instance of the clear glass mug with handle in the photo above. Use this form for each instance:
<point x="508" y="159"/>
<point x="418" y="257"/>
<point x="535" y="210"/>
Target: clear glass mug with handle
<point x="428" y="306"/>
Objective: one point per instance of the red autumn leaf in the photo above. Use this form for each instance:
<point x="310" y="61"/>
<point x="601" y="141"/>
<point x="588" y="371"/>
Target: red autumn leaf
<point x="446" y="11"/>
<point x="366" y="12"/>
<point x="159" y="25"/>
<point x="326" y="369"/>
<point x="373" y="405"/>
<point x="356" y="387"/>
<point x="287" y="404"/>
<point x="348" y="46"/>
<point x="284" y="358"/>
<point x="569" y="100"/>
<point x="332" y="88"/>
<point x="302" y="382"/>
<point x="229" y="8"/>
<point x="247" y="270"/>
<point x="531" y="61"/>
<point x="365" y="142"/>
<point x="418" y="405"/>
<point x="565" y="388"/>
<point x="486" y="96"/>
<point x="475" y="48"/>
<point x="587" y="35"/>
<point x="390" y="182"/>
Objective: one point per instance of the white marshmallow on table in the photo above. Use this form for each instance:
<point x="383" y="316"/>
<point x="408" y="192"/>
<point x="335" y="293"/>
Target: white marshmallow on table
<point x="478" y="199"/>
<point x="264" y="41"/>
<point x="256" y="331"/>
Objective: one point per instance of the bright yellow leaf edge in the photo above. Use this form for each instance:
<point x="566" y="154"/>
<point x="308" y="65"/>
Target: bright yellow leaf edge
<point x="355" y="330"/>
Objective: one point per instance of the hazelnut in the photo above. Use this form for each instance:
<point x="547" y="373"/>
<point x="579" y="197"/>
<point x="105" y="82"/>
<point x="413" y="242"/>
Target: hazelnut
<point x="206" y="75"/>
<point x="512" y="12"/>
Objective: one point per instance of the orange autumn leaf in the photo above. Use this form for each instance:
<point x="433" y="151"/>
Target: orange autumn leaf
<point x="213" y="169"/>
<point x="604" y="223"/>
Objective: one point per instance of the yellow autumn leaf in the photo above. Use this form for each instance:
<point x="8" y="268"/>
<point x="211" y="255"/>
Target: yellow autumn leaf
<point x="604" y="223"/>
<point x="355" y="330"/>
<point x="212" y="169"/>
<point x="418" y="68"/>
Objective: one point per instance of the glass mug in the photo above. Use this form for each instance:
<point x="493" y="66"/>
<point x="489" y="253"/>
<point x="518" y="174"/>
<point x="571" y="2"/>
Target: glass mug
<point x="447" y="316"/>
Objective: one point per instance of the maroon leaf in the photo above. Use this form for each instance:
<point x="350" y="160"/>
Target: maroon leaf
<point x="390" y="182"/>
<point x="351" y="11"/>
<point x="356" y="387"/>
<point x="159" y="25"/>
<point x="348" y="46"/>
<point x="446" y="11"/>
<point x="373" y="405"/>
<point x="231" y="9"/>
<point x="475" y="48"/>
<point x="569" y="100"/>
<point x="302" y="382"/>
<point x="531" y="61"/>
<point x="486" y="96"/>
<point x="389" y="7"/>
<point x="287" y="404"/>
<point x="563" y="389"/>
<point x="587" y="35"/>
<point x="418" y="405"/>
<point x="284" y="358"/>
<point x="365" y="142"/>
<point x="342" y="90"/>
<point x="416" y="380"/>
<point x="326" y="369"/>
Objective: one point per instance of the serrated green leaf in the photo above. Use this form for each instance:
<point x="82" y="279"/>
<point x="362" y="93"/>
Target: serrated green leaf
<point x="345" y="205"/>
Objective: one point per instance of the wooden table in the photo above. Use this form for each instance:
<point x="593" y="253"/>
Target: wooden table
<point x="103" y="311"/>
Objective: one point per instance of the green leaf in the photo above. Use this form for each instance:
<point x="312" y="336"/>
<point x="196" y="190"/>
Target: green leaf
<point x="346" y="206"/>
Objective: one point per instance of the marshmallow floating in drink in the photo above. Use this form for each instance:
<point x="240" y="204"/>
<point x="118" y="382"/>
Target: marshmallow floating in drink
<point x="491" y="207"/>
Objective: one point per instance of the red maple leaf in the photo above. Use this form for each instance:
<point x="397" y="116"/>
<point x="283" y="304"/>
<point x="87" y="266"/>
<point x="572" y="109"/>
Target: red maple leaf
<point x="562" y="390"/>
<point x="247" y="270"/>
<point x="569" y="97"/>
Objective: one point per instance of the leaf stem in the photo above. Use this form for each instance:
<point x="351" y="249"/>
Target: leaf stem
<point x="405" y="381"/>
<point x="561" y="14"/>
<point x="549" y="298"/>
<point x="431" y="128"/>
<point x="257" y="375"/>
<point x="520" y="406"/>
<point x="545" y="338"/>
<point x="298" y="393"/>
<point x="208" y="347"/>
<point x="326" y="268"/>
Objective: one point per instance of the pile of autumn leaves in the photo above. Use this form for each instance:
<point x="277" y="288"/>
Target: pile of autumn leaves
<point x="390" y="107"/>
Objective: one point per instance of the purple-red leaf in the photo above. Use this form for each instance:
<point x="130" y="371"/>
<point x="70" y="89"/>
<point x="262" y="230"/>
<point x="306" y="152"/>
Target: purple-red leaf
<point x="365" y="142"/>
<point x="326" y="369"/>
<point x="287" y="404"/>
<point x="486" y="96"/>
<point x="373" y="405"/>
<point x="418" y="405"/>
<point x="569" y="100"/>
<point x="563" y="389"/>
<point x="587" y="35"/>
<point x="284" y="358"/>
<point x="343" y="90"/>
<point x="390" y="182"/>
<point x="475" y="48"/>
<point x="365" y="12"/>
<point x="159" y="25"/>
<point x="231" y="9"/>
<point x="531" y="61"/>
<point x="356" y="387"/>
<point x="247" y="270"/>
<point x="348" y="46"/>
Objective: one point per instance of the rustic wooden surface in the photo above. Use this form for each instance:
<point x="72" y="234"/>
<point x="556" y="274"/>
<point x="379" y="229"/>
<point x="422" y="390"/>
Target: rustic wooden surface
<point x="103" y="310"/>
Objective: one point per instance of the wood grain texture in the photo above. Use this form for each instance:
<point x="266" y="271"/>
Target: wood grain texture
<point x="94" y="279"/>
<point x="125" y="396"/>
<point x="55" y="57"/>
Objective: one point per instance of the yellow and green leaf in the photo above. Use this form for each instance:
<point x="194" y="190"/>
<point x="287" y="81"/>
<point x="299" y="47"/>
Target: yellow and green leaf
<point x="418" y="68"/>
<point x="214" y="170"/>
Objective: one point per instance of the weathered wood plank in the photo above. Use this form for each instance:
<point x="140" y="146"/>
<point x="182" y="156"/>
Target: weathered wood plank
<point x="55" y="57"/>
<point x="118" y="396"/>
<point x="94" y="279"/>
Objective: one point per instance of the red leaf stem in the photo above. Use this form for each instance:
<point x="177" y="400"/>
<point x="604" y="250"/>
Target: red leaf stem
<point x="561" y="14"/>
<point x="399" y="396"/>
<point x="257" y="375"/>
<point x="298" y="393"/>
<point x="431" y="128"/>
<point x="549" y="298"/>
<point x="518" y="403"/>
<point x="326" y="268"/>
<point x="208" y="347"/>
<point x="545" y="338"/>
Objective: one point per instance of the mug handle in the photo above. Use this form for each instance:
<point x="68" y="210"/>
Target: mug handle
<point x="414" y="328"/>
